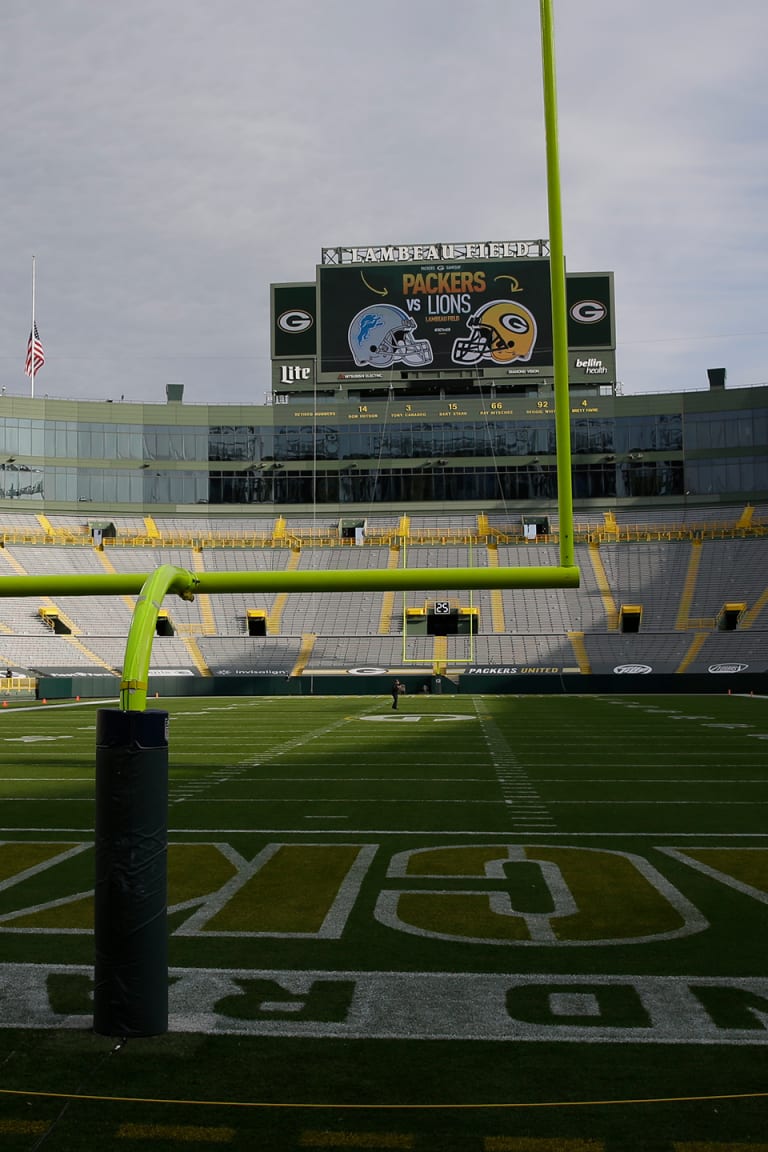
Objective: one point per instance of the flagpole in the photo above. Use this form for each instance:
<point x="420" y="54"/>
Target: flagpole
<point x="32" y="337"/>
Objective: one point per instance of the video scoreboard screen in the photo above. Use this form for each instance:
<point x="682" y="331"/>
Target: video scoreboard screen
<point x="494" y="315"/>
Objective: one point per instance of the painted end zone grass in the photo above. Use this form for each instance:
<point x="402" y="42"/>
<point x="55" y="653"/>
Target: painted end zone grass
<point x="479" y="922"/>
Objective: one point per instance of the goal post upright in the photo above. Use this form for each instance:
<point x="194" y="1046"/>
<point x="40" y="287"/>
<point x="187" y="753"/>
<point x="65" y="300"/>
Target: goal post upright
<point x="557" y="279"/>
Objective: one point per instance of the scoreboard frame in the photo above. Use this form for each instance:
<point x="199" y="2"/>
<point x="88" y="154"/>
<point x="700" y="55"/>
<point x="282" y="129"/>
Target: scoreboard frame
<point x="311" y="322"/>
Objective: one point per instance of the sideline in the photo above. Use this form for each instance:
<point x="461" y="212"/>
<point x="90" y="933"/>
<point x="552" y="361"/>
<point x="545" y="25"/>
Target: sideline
<point x="388" y="1107"/>
<point x="48" y="707"/>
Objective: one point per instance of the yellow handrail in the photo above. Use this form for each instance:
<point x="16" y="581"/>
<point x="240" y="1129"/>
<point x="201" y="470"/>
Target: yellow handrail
<point x="584" y="533"/>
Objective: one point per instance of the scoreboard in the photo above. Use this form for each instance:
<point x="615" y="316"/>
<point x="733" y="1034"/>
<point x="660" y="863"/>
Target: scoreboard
<point x="480" y="319"/>
<point x="435" y="317"/>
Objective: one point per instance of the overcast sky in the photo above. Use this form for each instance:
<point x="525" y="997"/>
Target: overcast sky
<point x="166" y="160"/>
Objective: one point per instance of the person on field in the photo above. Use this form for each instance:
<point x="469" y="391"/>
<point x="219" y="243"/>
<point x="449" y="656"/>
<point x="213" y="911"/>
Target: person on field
<point x="397" y="688"/>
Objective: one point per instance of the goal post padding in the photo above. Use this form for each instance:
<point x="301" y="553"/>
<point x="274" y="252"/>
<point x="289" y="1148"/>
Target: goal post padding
<point x="131" y="873"/>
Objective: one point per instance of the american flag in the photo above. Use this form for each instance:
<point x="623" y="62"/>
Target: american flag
<point x="35" y="354"/>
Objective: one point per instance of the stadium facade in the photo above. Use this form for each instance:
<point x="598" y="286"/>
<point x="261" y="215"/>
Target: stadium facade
<point x="415" y="379"/>
<point x="698" y="447"/>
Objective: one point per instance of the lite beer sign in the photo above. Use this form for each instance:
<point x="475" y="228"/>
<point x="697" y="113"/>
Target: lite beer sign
<point x="294" y="373"/>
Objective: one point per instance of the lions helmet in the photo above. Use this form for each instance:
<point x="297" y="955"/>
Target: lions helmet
<point x="382" y="334"/>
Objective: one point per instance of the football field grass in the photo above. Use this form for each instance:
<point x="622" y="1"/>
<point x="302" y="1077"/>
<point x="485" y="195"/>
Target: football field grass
<point x="497" y="923"/>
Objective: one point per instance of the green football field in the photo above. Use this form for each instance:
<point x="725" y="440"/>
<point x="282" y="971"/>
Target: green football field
<point x="502" y="924"/>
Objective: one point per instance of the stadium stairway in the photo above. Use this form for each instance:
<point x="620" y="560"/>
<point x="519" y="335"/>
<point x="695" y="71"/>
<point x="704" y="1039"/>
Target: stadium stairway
<point x="611" y="612"/>
<point x="691" y="655"/>
<point x="305" y="652"/>
<point x="498" y="622"/>
<point x="109" y="567"/>
<point x="203" y="599"/>
<point x="580" y="652"/>
<point x="388" y="598"/>
<point x="278" y="607"/>
<point x="196" y="655"/>
<point x="85" y="651"/>
<point x="440" y="655"/>
<point x="689" y="587"/>
<point x="749" y="618"/>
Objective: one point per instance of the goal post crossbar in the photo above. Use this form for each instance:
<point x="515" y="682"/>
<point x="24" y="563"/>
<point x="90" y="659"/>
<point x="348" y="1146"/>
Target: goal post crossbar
<point x="151" y="589"/>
